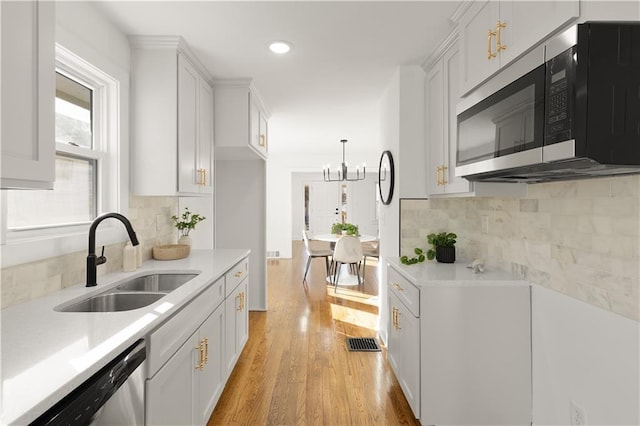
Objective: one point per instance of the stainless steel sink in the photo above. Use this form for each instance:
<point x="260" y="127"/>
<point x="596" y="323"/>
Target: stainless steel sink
<point x="114" y="302"/>
<point x="156" y="282"/>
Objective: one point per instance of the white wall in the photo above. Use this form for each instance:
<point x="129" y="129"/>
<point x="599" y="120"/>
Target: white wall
<point x="586" y="355"/>
<point x="402" y="129"/>
<point x="280" y="168"/>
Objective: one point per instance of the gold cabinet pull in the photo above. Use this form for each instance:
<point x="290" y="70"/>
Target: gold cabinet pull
<point x="202" y="176"/>
<point x="397" y="287"/>
<point x="206" y="350"/>
<point x="490" y="35"/>
<point x="200" y="348"/>
<point x="242" y="299"/>
<point x="397" y="321"/>
<point x="239" y="297"/>
<point x="499" y="45"/>
<point x="263" y="140"/>
<point x="238" y="274"/>
<point x="444" y="179"/>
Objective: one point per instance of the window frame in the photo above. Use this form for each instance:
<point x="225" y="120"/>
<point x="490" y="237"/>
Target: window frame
<point x="111" y="152"/>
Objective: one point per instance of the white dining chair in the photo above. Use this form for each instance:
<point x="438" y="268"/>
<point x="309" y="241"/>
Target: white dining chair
<point x="313" y="253"/>
<point x="369" y="250"/>
<point x="348" y="250"/>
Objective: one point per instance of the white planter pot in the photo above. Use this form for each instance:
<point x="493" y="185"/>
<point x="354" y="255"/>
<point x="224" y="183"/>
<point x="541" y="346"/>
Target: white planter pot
<point x="185" y="239"/>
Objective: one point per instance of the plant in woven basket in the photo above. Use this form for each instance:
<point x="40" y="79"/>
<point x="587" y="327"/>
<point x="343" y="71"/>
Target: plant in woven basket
<point x="186" y="221"/>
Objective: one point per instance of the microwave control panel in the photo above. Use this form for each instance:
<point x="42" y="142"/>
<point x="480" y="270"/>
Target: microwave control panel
<point x="559" y="97"/>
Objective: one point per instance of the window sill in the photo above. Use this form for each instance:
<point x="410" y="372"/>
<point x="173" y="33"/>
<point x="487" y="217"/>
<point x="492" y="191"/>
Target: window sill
<point x="21" y="250"/>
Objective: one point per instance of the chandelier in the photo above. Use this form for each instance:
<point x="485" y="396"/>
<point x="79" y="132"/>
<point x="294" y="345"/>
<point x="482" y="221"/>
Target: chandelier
<point x="341" y="173"/>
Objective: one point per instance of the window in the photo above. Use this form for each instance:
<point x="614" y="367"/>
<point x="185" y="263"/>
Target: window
<point x="74" y="197"/>
<point x="82" y="166"/>
<point x="92" y="155"/>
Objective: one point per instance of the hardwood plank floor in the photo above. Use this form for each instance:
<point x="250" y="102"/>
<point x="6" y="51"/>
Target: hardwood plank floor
<point x="296" y="368"/>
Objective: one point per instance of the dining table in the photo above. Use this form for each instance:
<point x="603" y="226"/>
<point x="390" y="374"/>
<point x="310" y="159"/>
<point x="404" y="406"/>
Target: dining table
<point x="346" y="278"/>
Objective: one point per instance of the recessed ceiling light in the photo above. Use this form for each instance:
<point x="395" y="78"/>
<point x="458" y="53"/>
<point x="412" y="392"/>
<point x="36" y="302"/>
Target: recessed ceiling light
<point x="280" y="47"/>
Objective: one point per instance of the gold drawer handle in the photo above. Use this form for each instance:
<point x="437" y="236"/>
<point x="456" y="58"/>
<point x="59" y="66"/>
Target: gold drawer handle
<point x="200" y="348"/>
<point x="490" y="35"/>
<point x="206" y="350"/>
<point x="499" y="45"/>
<point x="239" y="274"/>
<point x="397" y="287"/>
<point x="263" y="140"/>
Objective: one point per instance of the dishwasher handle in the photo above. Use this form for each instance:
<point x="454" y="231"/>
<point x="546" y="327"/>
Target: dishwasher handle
<point x="79" y="406"/>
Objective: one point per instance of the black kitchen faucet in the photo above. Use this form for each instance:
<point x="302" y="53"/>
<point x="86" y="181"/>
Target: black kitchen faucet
<point x="92" y="260"/>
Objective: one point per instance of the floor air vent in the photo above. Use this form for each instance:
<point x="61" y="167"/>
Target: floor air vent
<point x="362" y="344"/>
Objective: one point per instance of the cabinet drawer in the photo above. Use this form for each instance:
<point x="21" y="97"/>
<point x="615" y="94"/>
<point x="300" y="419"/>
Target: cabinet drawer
<point x="235" y="275"/>
<point x="165" y="341"/>
<point x="408" y="293"/>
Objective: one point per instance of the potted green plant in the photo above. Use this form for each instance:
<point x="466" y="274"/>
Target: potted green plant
<point x="344" y="229"/>
<point x="444" y="250"/>
<point x="185" y="223"/>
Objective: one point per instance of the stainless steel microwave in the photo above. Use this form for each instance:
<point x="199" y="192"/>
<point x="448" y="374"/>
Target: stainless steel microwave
<point x="574" y="114"/>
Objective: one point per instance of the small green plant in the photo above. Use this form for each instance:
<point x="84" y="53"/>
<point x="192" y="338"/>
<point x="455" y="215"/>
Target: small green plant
<point x="413" y="260"/>
<point x="351" y="229"/>
<point x="443" y="239"/>
<point x="187" y="221"/>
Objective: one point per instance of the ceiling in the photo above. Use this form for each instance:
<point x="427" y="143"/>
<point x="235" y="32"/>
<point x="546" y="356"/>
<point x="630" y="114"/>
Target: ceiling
<point x="329" y="86"/>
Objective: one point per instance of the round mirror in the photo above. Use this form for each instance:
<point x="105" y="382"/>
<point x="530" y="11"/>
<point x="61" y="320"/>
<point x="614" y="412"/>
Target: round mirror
<point x="386" y="177"/>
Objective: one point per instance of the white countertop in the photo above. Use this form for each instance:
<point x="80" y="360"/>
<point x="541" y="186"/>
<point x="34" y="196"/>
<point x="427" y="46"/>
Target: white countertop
<point x="46" y="354"/>
<point x="432" y="273"/>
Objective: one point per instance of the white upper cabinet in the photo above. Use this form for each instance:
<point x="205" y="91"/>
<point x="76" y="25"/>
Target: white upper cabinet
<point x="172" y="119"/>
<point x="493" y="33"/>
<point x="28" y="94"/>
<point x="241" y="121"/>
<point x="442" y="97"/>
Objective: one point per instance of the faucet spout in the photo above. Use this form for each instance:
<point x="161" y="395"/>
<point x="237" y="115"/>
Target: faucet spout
<point x="92" y="260"/>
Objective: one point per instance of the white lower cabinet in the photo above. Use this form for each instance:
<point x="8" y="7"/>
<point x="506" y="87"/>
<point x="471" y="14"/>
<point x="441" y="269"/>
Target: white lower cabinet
<point x="460" y="344"/>
<point x="237" y="325"/>
<point x="210" y="378"/>
<point x="404" y="350"/>
<point x="192" y="355"/>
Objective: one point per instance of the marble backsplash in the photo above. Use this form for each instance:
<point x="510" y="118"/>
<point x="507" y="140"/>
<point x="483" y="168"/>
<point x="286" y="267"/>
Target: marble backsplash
<point x="150" y="217"/>
<point x="580" y="238"/>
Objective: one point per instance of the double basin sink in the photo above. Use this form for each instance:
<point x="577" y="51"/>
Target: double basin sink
<point x="132" y="294"/>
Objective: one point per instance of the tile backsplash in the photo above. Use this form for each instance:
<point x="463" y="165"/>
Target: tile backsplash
<point x="150" y="217"/>
<point x="580" y="238"/>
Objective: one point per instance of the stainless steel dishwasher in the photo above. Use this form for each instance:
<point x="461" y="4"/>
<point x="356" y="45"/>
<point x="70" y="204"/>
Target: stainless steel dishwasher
<point x="112" y="396"/>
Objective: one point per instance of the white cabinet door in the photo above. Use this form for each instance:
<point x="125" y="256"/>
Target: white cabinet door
<point x="205" y="137"/>
<point x="452" y="184"/>
<point x="170" y="394"/>
<point x="240" y="121"/>
<point x="188" y="82"/>
<point x="254" y="124"/>
<point x="172" y="120"/>
<point x="442" y="97"/>
<point x="236" y="327"/>
<point x="477" y="44"/>
<point x="494" y="33"/>
<point x="210" y="379"/>
<point x="527" y="23"/>
<point x="404" y="350"/>
<point x="28" y="94"/>
<point x="264" y="133"/>
<point x="435" y="127"/>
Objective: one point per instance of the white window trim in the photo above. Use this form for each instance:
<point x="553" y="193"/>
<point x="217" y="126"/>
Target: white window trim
<point x="19" y="247"/>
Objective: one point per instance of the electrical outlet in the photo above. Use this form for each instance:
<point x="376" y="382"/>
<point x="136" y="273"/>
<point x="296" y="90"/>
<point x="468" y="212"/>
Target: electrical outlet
<point x="578" y="416"/>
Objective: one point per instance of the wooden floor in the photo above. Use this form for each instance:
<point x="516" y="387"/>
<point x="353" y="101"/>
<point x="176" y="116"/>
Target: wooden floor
<point x="296" y="368"/>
